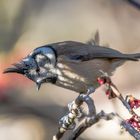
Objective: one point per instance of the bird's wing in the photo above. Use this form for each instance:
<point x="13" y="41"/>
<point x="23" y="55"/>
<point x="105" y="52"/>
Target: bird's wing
<point x="86" y="53"/>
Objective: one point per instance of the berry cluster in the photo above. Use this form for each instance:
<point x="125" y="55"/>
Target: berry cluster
<point x="132" y="102"/>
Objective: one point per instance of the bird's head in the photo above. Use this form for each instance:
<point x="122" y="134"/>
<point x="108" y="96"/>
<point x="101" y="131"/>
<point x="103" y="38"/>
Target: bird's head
<point x="38" y="66"/>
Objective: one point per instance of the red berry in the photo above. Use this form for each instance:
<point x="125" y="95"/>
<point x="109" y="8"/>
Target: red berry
<point x="100" y="81"/>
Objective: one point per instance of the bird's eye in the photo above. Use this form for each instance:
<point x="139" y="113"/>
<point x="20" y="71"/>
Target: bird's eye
<point x="38" y="69"/>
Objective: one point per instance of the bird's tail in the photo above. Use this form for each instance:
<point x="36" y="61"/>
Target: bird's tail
<point x="135" y="55"/>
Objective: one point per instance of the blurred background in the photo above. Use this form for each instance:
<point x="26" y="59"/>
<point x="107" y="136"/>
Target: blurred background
<point x="26" y="114"/>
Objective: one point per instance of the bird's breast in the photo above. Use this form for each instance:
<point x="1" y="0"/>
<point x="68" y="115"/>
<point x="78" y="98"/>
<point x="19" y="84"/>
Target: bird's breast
<point x="80" y="76"/>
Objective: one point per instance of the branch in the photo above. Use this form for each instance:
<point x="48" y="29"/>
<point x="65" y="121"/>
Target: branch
<point x="68" y="121"/>
<point x="89" y="121"/>
<point x="132" y="131"/>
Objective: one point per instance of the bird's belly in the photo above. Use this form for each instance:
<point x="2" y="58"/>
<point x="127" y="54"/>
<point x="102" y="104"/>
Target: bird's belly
<point x="81" y="76"/>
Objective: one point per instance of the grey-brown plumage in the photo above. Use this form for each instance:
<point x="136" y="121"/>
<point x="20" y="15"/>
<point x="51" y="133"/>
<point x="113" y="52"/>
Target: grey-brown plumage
<point x="79" y="64"/>
<point x="70" y="64"/>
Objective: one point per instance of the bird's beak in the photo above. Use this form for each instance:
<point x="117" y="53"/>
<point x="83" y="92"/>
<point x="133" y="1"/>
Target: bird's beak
<point x="16" y="68"/>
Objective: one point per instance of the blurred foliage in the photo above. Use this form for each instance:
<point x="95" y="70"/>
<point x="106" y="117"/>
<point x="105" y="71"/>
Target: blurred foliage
<point x="26" y="24"/>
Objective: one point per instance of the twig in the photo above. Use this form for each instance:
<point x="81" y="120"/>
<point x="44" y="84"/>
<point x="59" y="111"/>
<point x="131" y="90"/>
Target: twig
<point x="132" y="131"/>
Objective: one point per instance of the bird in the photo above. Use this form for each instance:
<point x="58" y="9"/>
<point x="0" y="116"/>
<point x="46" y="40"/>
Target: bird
<point x="71" y="65"/>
